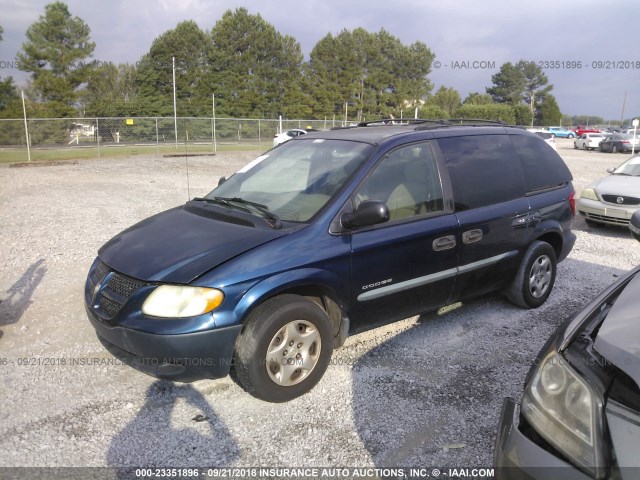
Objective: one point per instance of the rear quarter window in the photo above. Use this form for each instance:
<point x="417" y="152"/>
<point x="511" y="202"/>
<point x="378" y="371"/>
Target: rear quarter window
<point x="484" y="170"/>
<point x="543" y="167"/>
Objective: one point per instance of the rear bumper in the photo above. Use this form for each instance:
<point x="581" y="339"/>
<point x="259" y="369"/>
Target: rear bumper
<point x="182" y="357"/>
<point x="516" y="457"/>
<point x="568" y="241"/>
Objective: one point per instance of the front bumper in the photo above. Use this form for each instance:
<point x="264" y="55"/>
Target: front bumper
<point x="516" y="457"/>
<point x="603" y="213"/>
<point x="181" y="357"/>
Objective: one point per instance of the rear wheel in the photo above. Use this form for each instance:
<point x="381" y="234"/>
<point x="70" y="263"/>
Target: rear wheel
<point x="536" y="275"/>
<point x="284" y="349"/>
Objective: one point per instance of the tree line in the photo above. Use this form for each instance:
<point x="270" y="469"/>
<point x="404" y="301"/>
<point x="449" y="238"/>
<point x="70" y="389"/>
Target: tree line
<point x="254" y="71"/>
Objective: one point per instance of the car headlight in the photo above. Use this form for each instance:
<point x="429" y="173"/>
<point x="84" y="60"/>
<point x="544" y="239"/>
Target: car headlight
<point x="175" y="301"/>
<point x="565" y="411"/>
<point x="589" y="194"/>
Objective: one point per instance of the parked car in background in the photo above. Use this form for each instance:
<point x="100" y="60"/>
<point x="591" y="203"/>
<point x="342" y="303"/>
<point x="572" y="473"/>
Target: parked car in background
<point x="588" y="141"/>
<point x="288" y="135"/>
<point x="545" y="135"/>
<point x="561" y="132"/>
<point x="579" y="416"/>
<point x="619" y="142"/>
<point x="615" y="198"/>
<point x="329" y="234"/>
<point x="582" y="130"/>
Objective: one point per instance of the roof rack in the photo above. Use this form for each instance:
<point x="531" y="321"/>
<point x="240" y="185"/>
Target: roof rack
<point x="427" y="123"/>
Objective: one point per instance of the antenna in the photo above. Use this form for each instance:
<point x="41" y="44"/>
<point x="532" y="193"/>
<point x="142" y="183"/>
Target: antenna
<point x="186" y="163"/>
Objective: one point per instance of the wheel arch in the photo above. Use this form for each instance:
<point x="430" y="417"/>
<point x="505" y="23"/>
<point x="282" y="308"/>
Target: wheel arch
<point x="313" y="284"/>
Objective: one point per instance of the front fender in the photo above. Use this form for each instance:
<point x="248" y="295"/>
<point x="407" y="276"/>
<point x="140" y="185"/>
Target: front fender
<point x="318" y="280"/>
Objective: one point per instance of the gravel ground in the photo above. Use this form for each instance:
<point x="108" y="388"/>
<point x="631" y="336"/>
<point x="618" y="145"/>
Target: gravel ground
<point x="423" y="392"/>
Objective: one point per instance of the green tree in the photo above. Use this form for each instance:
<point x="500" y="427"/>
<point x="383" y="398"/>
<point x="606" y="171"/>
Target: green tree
<point x="189" y="46"/>
<point x="508" y="85"/>
<point x="56" y="54"/>
<point x="549" y="112"/>
<point x="523" y="115"/>
<point x="432" y="112"/>
<point x="256" y="71"/>
<point x="476" y="98"/>
<point x="499" y="112"/>
<point x="448" y="99"/>
<point x="112" y="92"/>
<point x="524" y="82"/>
<point x="374" y="74"/>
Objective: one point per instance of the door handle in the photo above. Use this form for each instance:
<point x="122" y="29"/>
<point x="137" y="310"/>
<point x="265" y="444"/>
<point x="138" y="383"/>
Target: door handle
<point x="472" y="236"/>
<point x="444" y="243"/>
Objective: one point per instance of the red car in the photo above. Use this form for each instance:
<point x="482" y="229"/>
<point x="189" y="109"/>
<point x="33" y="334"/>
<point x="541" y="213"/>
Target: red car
<point x="582" y="129"/>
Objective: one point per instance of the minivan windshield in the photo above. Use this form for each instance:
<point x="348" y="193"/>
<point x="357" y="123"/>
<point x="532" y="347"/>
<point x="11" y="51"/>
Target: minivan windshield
<point x="294" y="181"/>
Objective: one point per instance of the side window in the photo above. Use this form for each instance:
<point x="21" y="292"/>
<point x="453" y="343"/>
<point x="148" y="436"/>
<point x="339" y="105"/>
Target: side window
<point x="484" y="170"/>
<point x="407" y="180"/>
<point x="543" y="167"/>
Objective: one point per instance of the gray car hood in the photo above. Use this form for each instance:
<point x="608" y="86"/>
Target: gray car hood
<point x="618" y="339"/>
<point x="618" y="185"/>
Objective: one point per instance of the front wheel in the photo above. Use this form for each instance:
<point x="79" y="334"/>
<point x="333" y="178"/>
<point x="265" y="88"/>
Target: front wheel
<point x="284" y="349"/>
<point x="536" y="275"/>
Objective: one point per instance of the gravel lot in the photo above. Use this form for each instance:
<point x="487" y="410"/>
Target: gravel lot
<point x="424" y="392"/>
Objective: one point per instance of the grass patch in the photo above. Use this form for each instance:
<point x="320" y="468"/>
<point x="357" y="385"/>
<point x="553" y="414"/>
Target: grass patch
<point x="51" y="154"/>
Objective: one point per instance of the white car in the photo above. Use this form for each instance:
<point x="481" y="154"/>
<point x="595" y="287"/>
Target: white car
<point x="588" y="141"/>
<point x="287" y="135"/>
<point x="546" y="135"/>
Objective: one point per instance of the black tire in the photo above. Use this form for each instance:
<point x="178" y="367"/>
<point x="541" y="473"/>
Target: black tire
<point x="571" y="135"/>
<point x="575" y="146"/>
<point x="536" y="275"/>
<point x="279" y="374"/>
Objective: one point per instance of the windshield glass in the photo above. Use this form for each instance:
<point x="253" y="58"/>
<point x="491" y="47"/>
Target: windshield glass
<point x="295" y="180"/>
<point x="630" y="167"/>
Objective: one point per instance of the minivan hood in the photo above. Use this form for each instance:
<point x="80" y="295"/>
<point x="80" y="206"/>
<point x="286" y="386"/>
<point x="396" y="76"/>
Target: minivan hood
<point x="180" y="244"/>
<point x="618" y="339"/>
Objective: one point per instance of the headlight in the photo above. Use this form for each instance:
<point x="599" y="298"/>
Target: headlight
<point x="171" y="301"/>
<point x="564" y="410"/>
<point x="589" y="194"/>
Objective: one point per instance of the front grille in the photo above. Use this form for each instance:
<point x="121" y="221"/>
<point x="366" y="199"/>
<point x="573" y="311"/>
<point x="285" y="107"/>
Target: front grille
<point x="115" y="291"/>
<point x="109" y="306"/>
<point x="607" y="219"/>
<point x="625" y="200"/>
<point x="123" y="286"/>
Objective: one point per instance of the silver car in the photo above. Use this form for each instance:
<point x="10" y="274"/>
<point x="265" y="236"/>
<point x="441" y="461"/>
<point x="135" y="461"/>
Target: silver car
<point x="613" y="199"/>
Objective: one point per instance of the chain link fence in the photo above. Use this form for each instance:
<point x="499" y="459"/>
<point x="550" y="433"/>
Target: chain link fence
<point x="97" y="137"/>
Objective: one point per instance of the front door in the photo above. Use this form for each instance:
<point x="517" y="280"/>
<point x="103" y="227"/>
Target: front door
<point x="407" y="265"/>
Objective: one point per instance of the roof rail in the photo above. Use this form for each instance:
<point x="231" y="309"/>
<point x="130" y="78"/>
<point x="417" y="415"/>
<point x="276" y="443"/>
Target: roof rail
<point x="427" y="123"/>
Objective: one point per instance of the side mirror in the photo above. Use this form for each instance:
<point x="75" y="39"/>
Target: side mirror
<point x="222" y="180"/>
<point x="634" y="225"/>
<point x="611" y="170"/>
<point x="369" y="212"/>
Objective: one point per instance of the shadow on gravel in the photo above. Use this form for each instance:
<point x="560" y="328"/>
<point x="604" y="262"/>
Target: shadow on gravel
<point x="176" y="427"/>
<point x="18" y="297"/>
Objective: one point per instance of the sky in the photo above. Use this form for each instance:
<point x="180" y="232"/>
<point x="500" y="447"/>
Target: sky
<point x="589" y="49"/>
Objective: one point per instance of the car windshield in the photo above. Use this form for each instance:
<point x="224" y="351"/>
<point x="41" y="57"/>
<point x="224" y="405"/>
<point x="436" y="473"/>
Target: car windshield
<point x="630" y="167"/>
<point x="294" y="181"/>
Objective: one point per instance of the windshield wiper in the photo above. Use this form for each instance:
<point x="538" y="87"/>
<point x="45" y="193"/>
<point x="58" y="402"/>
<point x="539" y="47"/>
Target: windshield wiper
<point x="222" y="201"/>
<point x="273" y="219"/>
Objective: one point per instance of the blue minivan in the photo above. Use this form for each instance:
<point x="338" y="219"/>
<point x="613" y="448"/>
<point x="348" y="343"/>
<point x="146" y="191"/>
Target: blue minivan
<point x="329" y="234"/>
